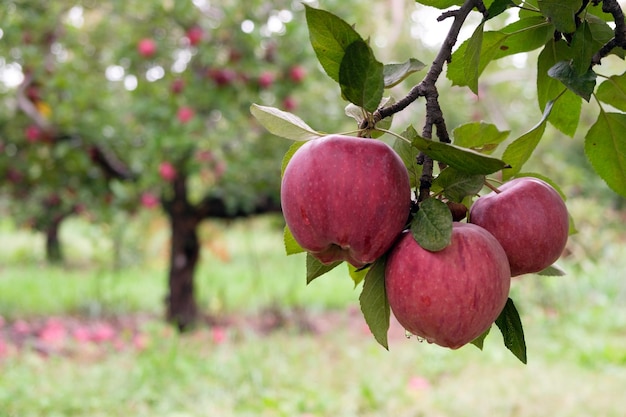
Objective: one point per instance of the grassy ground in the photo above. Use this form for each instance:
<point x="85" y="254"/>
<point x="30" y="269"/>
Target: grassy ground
<point x="280" y="348"/>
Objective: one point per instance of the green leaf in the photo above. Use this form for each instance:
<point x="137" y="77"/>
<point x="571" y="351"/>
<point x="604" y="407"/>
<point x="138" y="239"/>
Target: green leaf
<point x="374" y="303"/>
<point x="561" y="13"/>
<point x="291" y="246"/>
<point x="466" y="160"/>
<point x="457" y="185"/>
<point x="396" y="73"/>
<point x="361" y="76"/>
<point x="478" y="136"/>
<point x="552" y="271"/>
<point x="357" y="274"/>
<point x="582" y="49"/>
<point x="283" y="124"/>
<point x="472" y="58"/>
<point x="408" y="154"/>
<point x="330" y="36"/>
<point x="601" y="33"/>
<point x="315" y="268"/>
<point x="565" y="113"/>
<point x="458" y="70"/>
<point x="583" y="85"/>
<point x="606" y="149"/>
<point x="480" y="340"/>
<point x="498" y="7"/>
<point x="613" y="91"/>
<point x="440" y="4"/>
<point x="520" y="150"/>
<point x="432" y="225"/>
<point x="288" y="155"/>
<point x="510" y="325"/>
<point x="522" y="36"/>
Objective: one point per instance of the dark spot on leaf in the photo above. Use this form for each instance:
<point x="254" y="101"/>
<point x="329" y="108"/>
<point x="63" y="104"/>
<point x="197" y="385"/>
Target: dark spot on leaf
<point x="504" y="48"/>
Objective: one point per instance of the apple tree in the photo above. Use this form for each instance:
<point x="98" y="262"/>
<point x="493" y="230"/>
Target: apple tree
<point x="475" y="216"/>
<point x="56" y="159"/>
<point x="146" y="104"/>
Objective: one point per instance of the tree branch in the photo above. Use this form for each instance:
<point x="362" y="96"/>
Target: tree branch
<point x="612" y="7"/>
<point x="427" y="86"/>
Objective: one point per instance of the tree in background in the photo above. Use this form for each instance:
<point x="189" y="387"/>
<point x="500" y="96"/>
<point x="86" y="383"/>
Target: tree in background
<point x="109" y="106"/>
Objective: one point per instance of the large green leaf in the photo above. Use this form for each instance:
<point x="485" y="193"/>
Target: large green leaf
<point x="498" y="7"/>
<point x="432" y="225"/>
<point x="374" y="303"/>
<point x="613" y="91"/>
<point x="291" y="246"/>
<point x="409" y="155"/>
<point x="315" y="268"/>
<point x="441" y="4"/>
<point x="395" y="73"/>
<point x="521" y="36"/>
<point x="283" y="124"/>
<point x="361" y="76"/>
<point x="582" y="48"/>
<point x="480" y="340"/>
<point x="565" y="113"/>
<point x="466" y="160"/>
<point x="330" y="36"/>
<point x="561" y="13"/>
<point x="520" y="150"/>
<point x="605" y="147"/>
<point x="472" y="57"/>
<point x="479" y="136"/>
<point x="601" y="33"/>
<point x="456" y="185"/>
<point x="581" y="84"/>
<point x="510" y="325"/>
<point x="357" y="274"/>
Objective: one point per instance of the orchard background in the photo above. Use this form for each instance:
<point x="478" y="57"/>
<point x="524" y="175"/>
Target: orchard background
<point x="130" y="158"/>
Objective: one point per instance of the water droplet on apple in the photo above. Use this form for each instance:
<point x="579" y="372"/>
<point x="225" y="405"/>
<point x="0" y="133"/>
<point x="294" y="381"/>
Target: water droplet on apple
<point x="408" y="334"/>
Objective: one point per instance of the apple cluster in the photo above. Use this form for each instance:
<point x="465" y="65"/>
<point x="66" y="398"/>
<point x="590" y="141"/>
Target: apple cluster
<point x="349" y="199"/>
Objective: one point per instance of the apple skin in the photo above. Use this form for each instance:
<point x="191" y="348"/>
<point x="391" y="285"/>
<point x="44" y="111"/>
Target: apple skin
<point x="167" y="171"/>
<point x="529" y="219"/>
<point x="147" y="47"/>
<point x="194" y="35"/>
<point x="452" y="296"/>
<point x="185" y="114"/>
<point x="345" y="198"/>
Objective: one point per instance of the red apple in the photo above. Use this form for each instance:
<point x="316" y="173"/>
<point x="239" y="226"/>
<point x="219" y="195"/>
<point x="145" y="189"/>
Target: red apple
<point x="147" y="47"/>
<point x="452" y="296"/>
<point x="167" y="171"/>
<point x="222" y="76"/>
<point x="266" y="79"/>
<point x="297" y="73"/>
<point x="33" y="134"/>
<point x="194" y="35"/>
<point x="149" y="200"/>
<point x="178" y="85"/>
<point x="529" y="219"/>
<point x="345" y="198"/>
<point x="290" y="103"/>
<point x="185" y="114"/>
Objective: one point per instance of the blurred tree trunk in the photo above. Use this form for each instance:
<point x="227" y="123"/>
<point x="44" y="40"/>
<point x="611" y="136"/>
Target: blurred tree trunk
<point x="54" y="252"/>
<point x="182" y="310"/>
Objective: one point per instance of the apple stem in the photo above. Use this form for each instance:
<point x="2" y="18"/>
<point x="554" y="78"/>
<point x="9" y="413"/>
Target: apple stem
<point x="492" y="187"/>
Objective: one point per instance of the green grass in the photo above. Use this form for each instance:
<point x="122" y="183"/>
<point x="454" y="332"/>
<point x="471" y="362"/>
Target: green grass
<point x="574" y="331"/>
